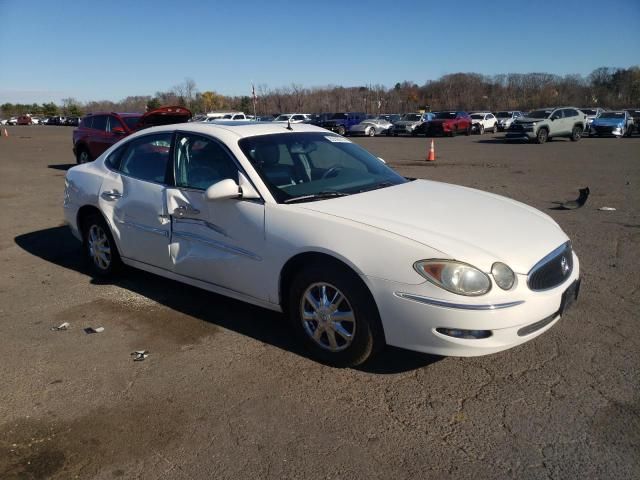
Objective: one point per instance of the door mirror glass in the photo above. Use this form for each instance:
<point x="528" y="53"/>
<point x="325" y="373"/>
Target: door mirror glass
<point x="223" y="190"/>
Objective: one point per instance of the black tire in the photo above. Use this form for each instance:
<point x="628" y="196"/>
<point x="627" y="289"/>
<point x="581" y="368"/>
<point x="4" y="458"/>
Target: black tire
<point x="495" y="128"/>
<point x="628" y="131"/>
<point x="368" y="336"/>
<point x="372" y="132"/>
<point x="341" y="130"/>
<point x="481" y="129"/>
<point x="576" y="133"/>
<point x="95" y="224"/>
<point x="468" y="131"/>
<point x="542" y="136"/>
<point x="82" y="156"/>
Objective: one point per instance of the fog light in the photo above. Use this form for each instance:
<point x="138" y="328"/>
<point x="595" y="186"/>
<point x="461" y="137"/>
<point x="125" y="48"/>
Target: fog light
<point x="466" y="334"/>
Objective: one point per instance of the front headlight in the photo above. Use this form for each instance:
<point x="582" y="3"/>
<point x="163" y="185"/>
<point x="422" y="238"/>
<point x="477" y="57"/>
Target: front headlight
<point x="455" y="277"/>
<point x="503" y="275"/>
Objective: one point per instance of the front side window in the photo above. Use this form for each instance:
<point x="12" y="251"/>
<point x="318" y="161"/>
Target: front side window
<point x="201" y="162"/>
<point x="100" y="123"/>
<point x="301" y="166"/>
<point x="114" y="123"/>
<point x="146" y="158"/>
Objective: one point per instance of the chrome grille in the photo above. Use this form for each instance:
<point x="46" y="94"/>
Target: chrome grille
<point x="552" y="270"/>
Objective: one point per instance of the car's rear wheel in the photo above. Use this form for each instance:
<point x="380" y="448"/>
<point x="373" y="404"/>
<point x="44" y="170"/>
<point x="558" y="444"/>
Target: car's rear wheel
<point x="341" y="130"/>
<point x="372" y="132"/>
<point x="83" y="156"/>
<point x="576" y="133"/>
<point x="99" y="246"/>
<point x="542" y="136"/>
<point x="335" y="316"/>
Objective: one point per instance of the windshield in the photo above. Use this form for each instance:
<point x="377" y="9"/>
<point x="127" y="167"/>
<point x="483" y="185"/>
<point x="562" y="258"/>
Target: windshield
<point x="588" y="111"/>
<point x="313" y="163"/>
<point x="477" y="116"/>
<point x="339" y="116"/>
<point x="283" y="118"/>
<point x="611" y="115"/>
<point x="445" y="115"/>
<point x="131" y="122"/>
<point x="539" y="113"/>
<point x="410" y="117"/>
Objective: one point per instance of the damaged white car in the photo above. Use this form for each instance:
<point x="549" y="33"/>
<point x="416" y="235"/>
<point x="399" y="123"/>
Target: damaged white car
<point x="297" y="219"/>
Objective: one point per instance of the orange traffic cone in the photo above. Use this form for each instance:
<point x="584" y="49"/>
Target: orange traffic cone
<point x="431" y="157"/>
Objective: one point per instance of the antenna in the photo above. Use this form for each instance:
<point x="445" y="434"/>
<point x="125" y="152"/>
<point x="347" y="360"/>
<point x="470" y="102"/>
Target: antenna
<point x="289" y="124"/>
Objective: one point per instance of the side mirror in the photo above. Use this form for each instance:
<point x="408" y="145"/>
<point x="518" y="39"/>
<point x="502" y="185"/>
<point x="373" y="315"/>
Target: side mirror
<point x="118" y="131"/>
<point x="223" y="190"/>
<point x="247" y="192"/>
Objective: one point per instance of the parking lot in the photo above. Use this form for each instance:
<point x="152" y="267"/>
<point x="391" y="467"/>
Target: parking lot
<point x="226" y="393"/>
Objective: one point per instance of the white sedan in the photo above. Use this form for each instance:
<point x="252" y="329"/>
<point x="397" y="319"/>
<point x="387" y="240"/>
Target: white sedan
<point x="300" y="220"/>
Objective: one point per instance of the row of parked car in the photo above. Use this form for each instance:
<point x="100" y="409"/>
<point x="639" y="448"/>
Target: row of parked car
<point x="28" y="119"/>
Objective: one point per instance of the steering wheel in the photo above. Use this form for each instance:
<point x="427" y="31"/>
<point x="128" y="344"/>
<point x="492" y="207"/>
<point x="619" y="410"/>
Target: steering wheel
<point x="333" y="170"/>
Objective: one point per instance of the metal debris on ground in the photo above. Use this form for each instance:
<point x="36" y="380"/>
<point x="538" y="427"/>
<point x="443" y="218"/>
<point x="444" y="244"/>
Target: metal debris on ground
<point x="94" y="330"/>
<point x="62" y="326"/>
<point x="607" y="209"/>
<point x="139" y="355"/>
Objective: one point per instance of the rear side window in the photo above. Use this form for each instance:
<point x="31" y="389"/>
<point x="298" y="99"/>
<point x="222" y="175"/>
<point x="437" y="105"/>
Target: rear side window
<point x="146" y="158"/>
<point x="570" y="112"/>
<point x="86" y="122"/>
<point x="100" y="122"/>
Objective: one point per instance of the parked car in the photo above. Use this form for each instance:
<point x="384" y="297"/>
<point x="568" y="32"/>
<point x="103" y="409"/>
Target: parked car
<point x="591" y="113"/>
<point x="483" y="121"/>
<point x="225" y="116"/>
<point x="341" y="122"/>
<point x="3" y="121"/>
<point x="634" y="113"/>
<point x="309" y="223"/>
<point x="409" y="123"/>
<point x="293" y="118"/>
<point x="265" y="118"/>
<point x="72" y="121"/>
<point x="12" y="121"/>
<point x="618" y="123"/>
<point x="446" y="123"/>
<point x="99" y="131"/>
<point x="389" y="117"/>
<point x="541" y="125"/>
<point x="57" y="120"/>
<point x="506" y="118"/>
<point x="24" y="120"/>
<point x="371" y="127"/>
<point x="319" y="118"/>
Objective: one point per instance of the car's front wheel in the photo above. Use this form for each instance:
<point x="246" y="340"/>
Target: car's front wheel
<point x="576" y="133"/>
<point x="100" y="248"/>
<point x="334" y="314"/>
<point x="481" y="129"/>
<point x="372" y="132"/>
<point x="542" y="135"/>
<point x="341" y="130"/>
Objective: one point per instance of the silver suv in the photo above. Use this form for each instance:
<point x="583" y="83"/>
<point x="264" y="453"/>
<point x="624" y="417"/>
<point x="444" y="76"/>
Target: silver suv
<point x="506" y="118"/>
<point x="541" y="125"/>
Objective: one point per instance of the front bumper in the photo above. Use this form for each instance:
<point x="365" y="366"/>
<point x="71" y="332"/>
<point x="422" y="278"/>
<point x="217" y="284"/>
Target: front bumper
<point x="410" y="316"/>
<point x="606" y="130"/>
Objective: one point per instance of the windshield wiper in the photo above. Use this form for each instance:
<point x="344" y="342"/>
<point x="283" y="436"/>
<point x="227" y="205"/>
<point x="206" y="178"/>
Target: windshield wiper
<point x="316" y="196"/>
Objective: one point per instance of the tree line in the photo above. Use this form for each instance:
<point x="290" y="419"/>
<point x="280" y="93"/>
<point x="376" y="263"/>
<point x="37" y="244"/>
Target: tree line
<point x="606" y="87"/>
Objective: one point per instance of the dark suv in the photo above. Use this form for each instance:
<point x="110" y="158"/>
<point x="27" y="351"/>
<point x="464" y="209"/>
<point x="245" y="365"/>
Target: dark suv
<point x="98" y="131"/>
<point x="341" y="122"/>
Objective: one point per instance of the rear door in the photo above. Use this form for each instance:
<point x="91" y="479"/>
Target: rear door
<point x="133" y="197"/>
<point x="220" y="242"/>
<point x="98" y="138"/>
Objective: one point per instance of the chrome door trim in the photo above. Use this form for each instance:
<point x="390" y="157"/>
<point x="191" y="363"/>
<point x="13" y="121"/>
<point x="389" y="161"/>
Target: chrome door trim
<point x="204" y="223"/>
<point x="145" y="228"/>
<point x="219" y="245"/>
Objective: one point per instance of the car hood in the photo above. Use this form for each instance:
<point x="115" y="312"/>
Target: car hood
<point x="463" y="223"/>
<point x="164" y="116"/>
<point x="529" y="120"/>
<point x="407" y="122"/>
<point x="607" y="121"/>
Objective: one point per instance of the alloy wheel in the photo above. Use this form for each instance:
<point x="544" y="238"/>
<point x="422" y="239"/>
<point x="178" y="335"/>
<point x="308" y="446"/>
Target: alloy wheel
<point x="327" y="317"/>
<point x="99" y="247"/>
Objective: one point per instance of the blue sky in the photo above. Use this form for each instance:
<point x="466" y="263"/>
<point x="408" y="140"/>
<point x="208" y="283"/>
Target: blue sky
<point x="107" y="50"/>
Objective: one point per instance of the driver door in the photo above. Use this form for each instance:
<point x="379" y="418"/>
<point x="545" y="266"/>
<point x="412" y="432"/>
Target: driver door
<point x="217" y="241"/>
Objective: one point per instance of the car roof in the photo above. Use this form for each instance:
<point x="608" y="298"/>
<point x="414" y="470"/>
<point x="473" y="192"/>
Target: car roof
<point x="121" y="114"/>
<point x="238" y="129"/>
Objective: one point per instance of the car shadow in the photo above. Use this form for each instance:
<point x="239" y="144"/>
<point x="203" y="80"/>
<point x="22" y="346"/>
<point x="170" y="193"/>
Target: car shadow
<point x="57" y="245"/>
<point x="61" y="166"/>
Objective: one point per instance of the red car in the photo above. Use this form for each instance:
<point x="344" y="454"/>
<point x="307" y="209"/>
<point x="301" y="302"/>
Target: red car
<point x="446" y="123"/>
<point x="98" y="131"/>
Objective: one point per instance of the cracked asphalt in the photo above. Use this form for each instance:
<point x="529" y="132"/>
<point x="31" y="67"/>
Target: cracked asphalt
<point x="225" y="392"/>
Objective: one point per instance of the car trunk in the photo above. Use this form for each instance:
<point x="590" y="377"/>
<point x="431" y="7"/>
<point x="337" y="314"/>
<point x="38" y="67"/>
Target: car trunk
<point x="164" y="116"/>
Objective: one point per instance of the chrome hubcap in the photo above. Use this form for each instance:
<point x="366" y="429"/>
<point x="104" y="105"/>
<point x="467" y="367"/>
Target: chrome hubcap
<point x="84" y="157"/>
<point x="327" y="317"/>
<point x="99" y="248"/>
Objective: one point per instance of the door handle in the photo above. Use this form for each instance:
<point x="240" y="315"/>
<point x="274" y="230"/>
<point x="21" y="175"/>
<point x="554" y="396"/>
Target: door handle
<point x="111" y="195"/>
<point x="183" y="210"/>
